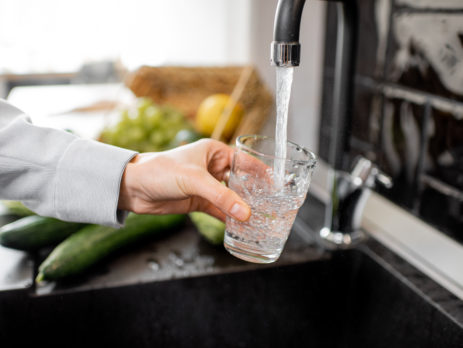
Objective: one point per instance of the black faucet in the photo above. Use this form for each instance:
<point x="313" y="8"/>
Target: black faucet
<point x="347" y="191"/>
<point x="285" y="51"/>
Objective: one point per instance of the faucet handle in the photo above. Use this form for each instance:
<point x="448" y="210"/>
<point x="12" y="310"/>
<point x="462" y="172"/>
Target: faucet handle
<point x="366" y="174"/>
<point x="349" y="193"/>
<point x="384" y="179"/>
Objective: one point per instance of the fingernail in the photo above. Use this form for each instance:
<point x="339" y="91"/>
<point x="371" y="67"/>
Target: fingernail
<point x="239" y="212"/>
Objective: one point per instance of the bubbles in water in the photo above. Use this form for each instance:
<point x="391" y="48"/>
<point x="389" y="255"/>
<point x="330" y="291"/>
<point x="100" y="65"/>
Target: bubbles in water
<point x="269" y="224"/>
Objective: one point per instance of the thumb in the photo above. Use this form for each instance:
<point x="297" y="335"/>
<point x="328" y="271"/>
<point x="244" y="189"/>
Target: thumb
<point x="228" y="201"/>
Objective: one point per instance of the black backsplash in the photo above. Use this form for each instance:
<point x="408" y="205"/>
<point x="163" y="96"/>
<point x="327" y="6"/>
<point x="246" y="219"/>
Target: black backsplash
<point x="407" y="113"/>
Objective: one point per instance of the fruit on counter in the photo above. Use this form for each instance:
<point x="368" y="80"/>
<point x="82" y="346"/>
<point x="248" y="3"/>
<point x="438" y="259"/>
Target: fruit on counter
<point x="209" y="112"/>
<point x="93" y="243"/>
<point x="17" y="208"/>
<point x="212" y="229"/>
<point x="34" y="232"/>
<point x="146" y="127"/>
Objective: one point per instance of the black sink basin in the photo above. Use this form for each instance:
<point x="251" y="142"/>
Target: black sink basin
<point x="350" y="299"/>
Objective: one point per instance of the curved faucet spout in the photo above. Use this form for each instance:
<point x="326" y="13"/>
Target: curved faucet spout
<point x="285" y="50"/>
<point x="288" y="20"/>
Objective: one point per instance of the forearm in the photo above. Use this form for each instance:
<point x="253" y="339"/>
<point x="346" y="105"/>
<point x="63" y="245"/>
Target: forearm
<point x="57" y="174"/>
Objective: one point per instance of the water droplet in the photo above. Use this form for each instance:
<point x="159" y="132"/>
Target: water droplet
<point x="175" y="259"/>
<point x="153" y="264"/>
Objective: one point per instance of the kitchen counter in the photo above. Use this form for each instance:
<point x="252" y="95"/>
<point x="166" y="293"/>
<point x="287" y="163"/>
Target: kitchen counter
<point x="181" y="254"/>
<point x="396" y="292"/>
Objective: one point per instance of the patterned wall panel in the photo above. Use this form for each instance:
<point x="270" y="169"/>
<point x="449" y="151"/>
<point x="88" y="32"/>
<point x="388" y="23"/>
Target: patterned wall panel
<point x="407" y="111"/>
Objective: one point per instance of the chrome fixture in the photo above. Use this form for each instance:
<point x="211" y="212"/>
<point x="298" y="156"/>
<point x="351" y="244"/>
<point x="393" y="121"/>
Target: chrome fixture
<point x="286" y="54"/>
<point x="348" y="191"/>
<point x="348" y="196"/>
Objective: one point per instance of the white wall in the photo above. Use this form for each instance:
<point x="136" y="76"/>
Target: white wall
<point x="58" y="36"/>
<point x="306" y="93"/>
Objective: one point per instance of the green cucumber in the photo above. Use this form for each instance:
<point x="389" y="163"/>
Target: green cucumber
<point x="34" y="232"/>
<point x="17" y="208"/>
<point x="93" y="243"/>
<point x="212" y="229"/>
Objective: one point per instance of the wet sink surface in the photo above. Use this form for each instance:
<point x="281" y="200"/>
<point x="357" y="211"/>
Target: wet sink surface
<point x="346" y="300"/>
<point x="182" y="292"/>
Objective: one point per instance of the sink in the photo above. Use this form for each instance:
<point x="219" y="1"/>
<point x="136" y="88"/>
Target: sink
<point x="349" y="299"/>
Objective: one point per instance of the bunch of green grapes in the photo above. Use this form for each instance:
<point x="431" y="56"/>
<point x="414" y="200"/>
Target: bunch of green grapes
<point x="146" y="127"/>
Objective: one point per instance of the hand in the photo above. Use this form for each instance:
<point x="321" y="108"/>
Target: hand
<point x="182" y="180"/>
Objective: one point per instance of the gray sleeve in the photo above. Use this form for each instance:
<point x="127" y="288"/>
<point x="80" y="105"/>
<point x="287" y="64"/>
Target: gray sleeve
<point x="55" y="173"/>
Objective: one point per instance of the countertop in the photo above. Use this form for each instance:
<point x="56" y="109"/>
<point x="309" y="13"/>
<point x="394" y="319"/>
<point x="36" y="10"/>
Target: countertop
<point x="184" y="254"/>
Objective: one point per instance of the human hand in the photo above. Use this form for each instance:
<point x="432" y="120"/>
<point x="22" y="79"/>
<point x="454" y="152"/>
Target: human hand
<point x="182" y="180"/>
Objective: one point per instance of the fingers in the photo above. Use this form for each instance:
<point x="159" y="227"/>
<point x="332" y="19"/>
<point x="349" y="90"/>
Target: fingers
<point x="226" y="200"/>
<point x="213" y="211"/>
<point x="250" y="164"/>
<point x="226" y="176"/>
<point x="218" y="158"/>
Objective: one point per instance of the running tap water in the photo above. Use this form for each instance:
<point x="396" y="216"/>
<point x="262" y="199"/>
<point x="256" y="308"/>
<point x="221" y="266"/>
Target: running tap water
<point x="285" y="54"/>
<point x="284" y="81"/>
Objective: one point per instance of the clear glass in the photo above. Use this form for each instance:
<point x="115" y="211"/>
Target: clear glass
<point x="274" y="206"/>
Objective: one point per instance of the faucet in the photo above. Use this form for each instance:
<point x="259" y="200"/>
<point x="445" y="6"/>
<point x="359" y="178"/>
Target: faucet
<point x="285" y="48"/>
<point x="348" y="191"/>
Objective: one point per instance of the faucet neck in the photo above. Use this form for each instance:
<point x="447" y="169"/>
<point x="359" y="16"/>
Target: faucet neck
<point x="285" y="49"/>
<point x="288" y="20"/>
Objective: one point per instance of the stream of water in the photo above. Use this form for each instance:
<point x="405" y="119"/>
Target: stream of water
<point x="284" y="81"/>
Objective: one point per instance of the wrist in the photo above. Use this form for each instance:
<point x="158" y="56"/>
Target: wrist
<point x="128" y="187"/>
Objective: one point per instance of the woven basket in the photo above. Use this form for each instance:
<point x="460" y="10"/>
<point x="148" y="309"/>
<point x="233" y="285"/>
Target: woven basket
<point x="186" y="87"/>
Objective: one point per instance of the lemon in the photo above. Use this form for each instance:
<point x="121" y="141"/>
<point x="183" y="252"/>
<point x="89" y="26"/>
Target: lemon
<point x="209" y="113"/>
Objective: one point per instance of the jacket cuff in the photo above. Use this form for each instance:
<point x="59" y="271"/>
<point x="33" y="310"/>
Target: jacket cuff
<point x="87" y="183"/>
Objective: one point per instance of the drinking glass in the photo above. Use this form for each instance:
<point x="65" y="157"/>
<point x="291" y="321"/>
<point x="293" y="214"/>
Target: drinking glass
<point x="274" y="195"/>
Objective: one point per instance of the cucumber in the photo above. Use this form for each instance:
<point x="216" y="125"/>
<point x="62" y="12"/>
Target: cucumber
<point x="93" y="243"/>
<point x="34" y="232"/>
<point x="212" y="229"/>
<point x="17" y="208"/>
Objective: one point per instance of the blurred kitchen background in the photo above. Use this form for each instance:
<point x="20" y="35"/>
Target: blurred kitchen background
<point x="96" y="42"/>
<point x="408" y="109"/>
